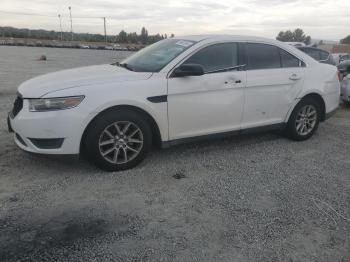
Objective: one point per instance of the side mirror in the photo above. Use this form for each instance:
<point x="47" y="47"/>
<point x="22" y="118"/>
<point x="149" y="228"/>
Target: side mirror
<point x="188" y="70"/>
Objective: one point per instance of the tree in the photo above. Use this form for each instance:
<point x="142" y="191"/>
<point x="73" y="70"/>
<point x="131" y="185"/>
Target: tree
<point x="123" y="37"/>
<point x="144" y="36"/>
<point x="132" y="38"/>
<point x="296" y="36"/>
<point x="172" y="36"/>
<point x="345" y="40"/>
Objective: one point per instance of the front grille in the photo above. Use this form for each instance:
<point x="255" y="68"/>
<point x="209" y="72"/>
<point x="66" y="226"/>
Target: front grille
<point x="17" y="106"/>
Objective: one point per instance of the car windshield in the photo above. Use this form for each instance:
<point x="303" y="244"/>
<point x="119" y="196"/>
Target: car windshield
<point x="153" y="58"/>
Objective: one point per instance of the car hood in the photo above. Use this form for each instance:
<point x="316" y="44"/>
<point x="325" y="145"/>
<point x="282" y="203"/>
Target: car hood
<point x="78" y="77"/>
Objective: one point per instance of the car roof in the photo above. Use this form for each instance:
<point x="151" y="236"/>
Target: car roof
<point x="198" y="38"/>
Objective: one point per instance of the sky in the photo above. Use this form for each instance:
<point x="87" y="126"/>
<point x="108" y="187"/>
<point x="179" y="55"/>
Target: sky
<point x="321" y="19"/>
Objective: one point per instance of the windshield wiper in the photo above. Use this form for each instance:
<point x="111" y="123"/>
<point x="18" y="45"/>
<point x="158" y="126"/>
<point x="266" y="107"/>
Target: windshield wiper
<point x="125" y="65"/>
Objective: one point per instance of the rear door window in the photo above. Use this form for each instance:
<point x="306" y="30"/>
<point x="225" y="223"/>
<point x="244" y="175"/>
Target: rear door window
<point x="263" y="56"/>
<point x="288" y="60"/>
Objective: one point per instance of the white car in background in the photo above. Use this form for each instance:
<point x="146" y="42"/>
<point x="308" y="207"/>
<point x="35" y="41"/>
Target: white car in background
<point x="174" y="91"/>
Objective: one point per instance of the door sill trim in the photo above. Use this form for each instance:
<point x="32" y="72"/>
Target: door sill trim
<point x="251" y="130"/>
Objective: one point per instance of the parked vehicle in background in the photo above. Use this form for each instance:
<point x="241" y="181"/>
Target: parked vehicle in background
<point x="344" y="58"/>
<point x="344" y="69"/>
<point x="343" y="66"/>
<point x="319" y="55"/>
<point x="174" y="91"/>
<point x="337" y="57"/>
<point x="84" y="46"/>
<point x="296" y="44"/>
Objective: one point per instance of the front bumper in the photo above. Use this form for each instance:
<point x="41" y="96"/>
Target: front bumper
<point x="53" y="132"/>
<point x="9" y="127"/>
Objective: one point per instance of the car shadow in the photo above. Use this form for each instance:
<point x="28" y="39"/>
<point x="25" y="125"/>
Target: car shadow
<point x="76" y="163"/>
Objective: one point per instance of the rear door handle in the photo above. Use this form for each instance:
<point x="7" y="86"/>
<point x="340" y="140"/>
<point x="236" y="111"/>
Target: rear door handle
<point x="294" y="77"/>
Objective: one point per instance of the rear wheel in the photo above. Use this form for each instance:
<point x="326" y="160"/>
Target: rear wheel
<point x="304" y="120"/>
<point x="118" y="140"/>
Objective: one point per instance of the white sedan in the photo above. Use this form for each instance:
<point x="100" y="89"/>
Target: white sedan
<point x="177" y="90"/>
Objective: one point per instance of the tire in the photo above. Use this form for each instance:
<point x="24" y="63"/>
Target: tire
<point x="111" y="149"/>
<point x="309" y="123"/>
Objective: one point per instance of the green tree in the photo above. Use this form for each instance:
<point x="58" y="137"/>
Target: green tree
<point x="122" y="37"/>
<point x="132" y="38"/>
<point x="345" y="40"/>
<point x="144" y="36"/>
<point x="297" y="35"/>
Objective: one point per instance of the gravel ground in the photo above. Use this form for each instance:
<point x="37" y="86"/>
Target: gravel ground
<point x="21" y="63"/>
<point x="247" y="198"/>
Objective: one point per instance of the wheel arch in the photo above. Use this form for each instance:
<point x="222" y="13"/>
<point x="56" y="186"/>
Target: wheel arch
<point x="317" y="97"/>
<point x="156" y="139"/>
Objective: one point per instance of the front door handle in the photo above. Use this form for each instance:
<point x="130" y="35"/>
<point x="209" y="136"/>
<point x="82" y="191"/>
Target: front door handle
<point x="235" y="81"/>
<point x="294" y="77"/>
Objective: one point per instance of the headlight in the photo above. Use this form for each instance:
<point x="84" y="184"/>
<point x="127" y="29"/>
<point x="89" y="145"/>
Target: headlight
<point x="51" y="104"/>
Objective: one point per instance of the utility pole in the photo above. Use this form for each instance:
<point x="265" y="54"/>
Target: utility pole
<point x="59" y="17"/>
<point x="71" y="22"/>
<point x="104" y="22"/>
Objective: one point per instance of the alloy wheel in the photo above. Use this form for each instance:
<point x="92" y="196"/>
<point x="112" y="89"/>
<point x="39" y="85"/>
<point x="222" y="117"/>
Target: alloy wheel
<point x="120" y="142"/>
<point x="306" y="120"/>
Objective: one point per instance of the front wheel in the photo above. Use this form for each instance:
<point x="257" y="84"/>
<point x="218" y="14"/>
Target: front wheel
<point x="118" y="140"/>
<point x="304" y="120"/>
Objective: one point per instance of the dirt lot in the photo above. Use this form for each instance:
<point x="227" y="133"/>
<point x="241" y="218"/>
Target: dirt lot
<point x="247" y="198"/>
